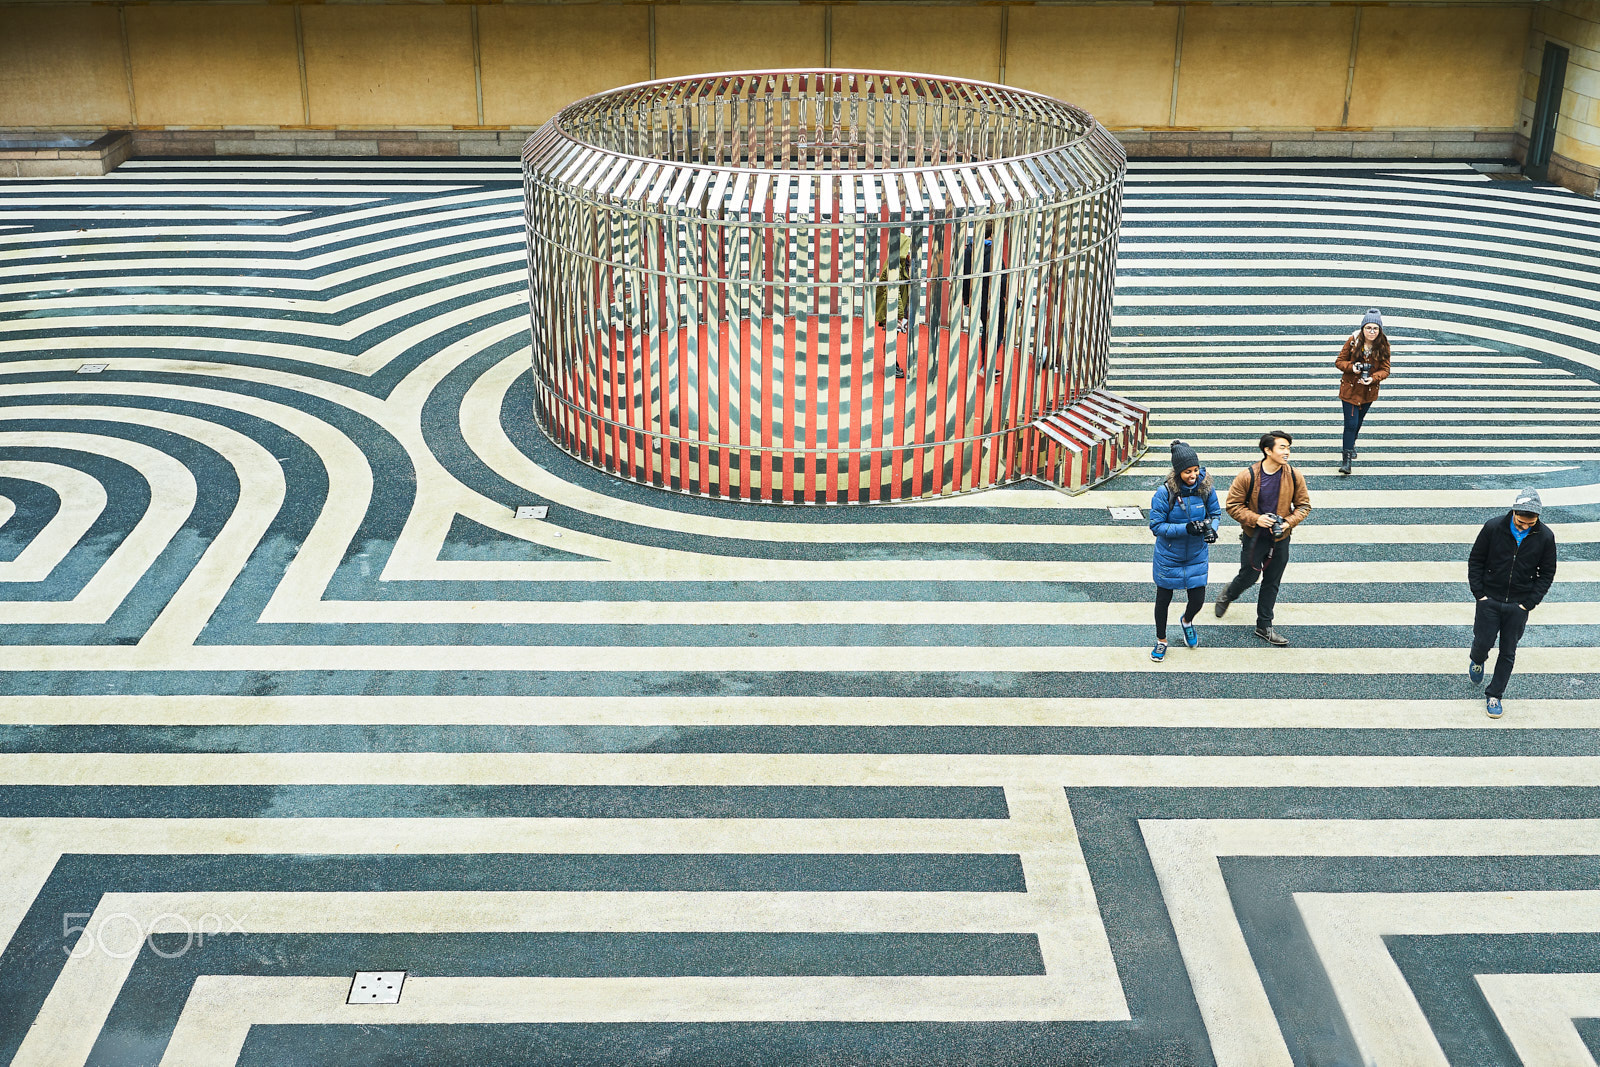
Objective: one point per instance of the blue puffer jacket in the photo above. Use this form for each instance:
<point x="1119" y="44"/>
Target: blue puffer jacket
<point x="1181" y="558"/>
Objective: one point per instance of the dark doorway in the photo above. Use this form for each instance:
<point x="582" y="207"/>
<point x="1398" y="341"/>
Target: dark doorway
<point x="1546" y="109"/>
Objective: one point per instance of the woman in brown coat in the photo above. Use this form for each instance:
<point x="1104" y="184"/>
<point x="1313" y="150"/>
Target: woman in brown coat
<point x="1364" y="359"/>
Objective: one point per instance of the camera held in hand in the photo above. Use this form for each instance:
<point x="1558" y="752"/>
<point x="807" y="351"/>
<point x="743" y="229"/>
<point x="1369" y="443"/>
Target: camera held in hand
<point x="1364" y="372"/>
<point x="1277" y="524"/>
<point x="1203" y="529"/>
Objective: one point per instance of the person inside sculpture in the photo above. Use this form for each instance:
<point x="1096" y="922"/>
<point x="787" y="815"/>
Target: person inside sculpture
<point x="985" y="259"/>
<point x="1268" y="500"/>
<point x="1184" y="514"/>
<point x="1364" y="361"/>
<point x="892" y="297"/>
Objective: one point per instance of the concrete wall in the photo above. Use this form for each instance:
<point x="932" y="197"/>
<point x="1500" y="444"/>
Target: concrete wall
<point x="1431" y="79"/>
<point x="1575" y="155"/>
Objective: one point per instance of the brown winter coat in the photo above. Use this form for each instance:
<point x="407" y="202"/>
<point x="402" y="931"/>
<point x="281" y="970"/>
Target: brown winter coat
<point x="1351" y="391"/>
<point x="1244" y="504"/>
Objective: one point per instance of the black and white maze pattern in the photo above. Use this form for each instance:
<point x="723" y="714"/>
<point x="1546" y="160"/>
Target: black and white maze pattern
<point x="662" y="779"/>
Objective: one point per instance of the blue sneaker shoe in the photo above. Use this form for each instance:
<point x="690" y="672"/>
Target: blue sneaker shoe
<point x="1159" y="653"/>
<point x="1492" y="706"/>
<point x="1190" y="636"/>
<point x="1475" y="672"/>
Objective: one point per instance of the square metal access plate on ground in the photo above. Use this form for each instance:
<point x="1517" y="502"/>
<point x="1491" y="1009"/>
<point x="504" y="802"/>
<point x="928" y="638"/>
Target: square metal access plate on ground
<point x="533" y="511"/>
<point x="376" y="987"/>
<point x="92" y="368"/>
<point x="1126" y="513"/>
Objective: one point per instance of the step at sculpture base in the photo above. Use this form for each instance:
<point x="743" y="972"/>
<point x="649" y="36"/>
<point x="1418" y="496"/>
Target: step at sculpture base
<point x="1099" y="436"/>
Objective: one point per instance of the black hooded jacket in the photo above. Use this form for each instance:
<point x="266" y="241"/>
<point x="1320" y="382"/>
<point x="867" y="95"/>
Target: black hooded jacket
<point x="1500" y="569"/>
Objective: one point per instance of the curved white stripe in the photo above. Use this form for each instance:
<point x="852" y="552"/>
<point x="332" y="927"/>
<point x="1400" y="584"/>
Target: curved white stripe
<point x="82" y="497"/>
<point x="140" y="256"/>
<point x="270" y="239"/>
<point x="172" y="498"/>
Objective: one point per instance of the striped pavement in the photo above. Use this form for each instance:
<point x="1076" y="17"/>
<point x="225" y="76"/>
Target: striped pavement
<point x="287" y="690"/>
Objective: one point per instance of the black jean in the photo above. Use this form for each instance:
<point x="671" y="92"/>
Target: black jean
<point x="1197" y="600"/>
<point x="1354" y="416"/>
<point x="1270" y="576"/>
<point x="1500" y="621"/>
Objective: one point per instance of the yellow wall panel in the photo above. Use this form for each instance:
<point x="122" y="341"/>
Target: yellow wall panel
<point x="390" y="65"/>
<point x="962" y="42"/>
<point x="62" y="66"/>
<point x="1468" y="75"/>
<point x="1264" y="66"/>
<point x="700" y="38"/>
<point x="1114" y="62"/>
<point x="538" y="59"/>
<point x="225" y="65"/>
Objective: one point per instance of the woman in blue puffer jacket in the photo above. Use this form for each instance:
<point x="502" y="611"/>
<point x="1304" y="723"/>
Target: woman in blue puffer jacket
<point x="1184" y="514"/>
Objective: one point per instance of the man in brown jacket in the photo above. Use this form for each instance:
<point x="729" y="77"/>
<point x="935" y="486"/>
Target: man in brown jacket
<point x="1268" y="500"/>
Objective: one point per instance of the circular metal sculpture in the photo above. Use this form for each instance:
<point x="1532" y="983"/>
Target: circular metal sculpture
<point x="827" y="286"/>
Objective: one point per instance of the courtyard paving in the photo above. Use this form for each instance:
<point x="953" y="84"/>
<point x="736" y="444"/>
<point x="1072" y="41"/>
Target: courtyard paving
<point x="288" y="692"/>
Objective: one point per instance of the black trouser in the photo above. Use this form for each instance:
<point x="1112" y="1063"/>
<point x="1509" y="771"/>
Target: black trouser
<point x="1497" y="620"/>
<point x="1197" y="600"/>
<point x="1270" y="575"/>
<point x="1354" y="416"/>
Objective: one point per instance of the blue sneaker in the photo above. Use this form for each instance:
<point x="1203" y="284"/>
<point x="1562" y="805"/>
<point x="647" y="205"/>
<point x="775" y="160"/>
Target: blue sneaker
<point x="1475" y="672"/>
<point x="1492" y="706"/>
<point x="1159" y="653"/>
<point x="1190" y="636"/>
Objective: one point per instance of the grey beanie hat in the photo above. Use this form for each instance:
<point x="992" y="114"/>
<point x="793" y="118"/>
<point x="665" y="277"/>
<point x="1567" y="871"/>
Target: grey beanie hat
<point x="1373" y="315"/>
<point x="1528" y="500"/>
<point x="1184" y="456"/>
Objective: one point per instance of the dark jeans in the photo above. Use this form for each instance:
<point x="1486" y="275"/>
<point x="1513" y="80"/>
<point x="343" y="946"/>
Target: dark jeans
<point x="1270" y="576"/>
<point x="1197" y="600"/>
<point x="1354" y="416"/>
<point x="1497" y="620"/>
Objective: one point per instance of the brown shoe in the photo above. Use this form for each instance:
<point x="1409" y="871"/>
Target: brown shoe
<point x="1272" y="637"/>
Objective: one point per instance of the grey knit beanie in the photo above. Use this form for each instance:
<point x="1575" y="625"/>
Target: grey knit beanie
<point x="1372" y="315"/>
<point x="1184" y="456"/>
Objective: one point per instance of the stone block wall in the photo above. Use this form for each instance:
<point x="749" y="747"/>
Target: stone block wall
<point x="329" y="143"/>
<point x="1575" y="155"/>
<point x="63" y="156"/>
<point x="1317" y="144"/>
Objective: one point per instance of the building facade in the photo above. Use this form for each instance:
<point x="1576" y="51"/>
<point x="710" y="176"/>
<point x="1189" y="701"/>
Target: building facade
<point x="1446" y="79"/>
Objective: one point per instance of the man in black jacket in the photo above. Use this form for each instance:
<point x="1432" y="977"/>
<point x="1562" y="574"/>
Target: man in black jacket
<point x="1510" y="569"/>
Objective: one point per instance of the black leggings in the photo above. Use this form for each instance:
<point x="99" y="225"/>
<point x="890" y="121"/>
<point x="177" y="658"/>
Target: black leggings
<point x="1197" y="600"/>
<point x="1354" y="416"/>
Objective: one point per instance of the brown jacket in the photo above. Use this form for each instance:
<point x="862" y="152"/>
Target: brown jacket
<point x="1244" y="504"/>
<point x="1351" y="391"/>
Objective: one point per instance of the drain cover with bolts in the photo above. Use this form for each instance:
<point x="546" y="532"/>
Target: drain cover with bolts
<point x="376" y="987"/>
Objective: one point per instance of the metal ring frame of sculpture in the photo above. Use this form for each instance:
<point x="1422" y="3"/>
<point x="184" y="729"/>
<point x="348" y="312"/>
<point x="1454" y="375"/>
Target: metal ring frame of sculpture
<point x="827" y="286"/>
